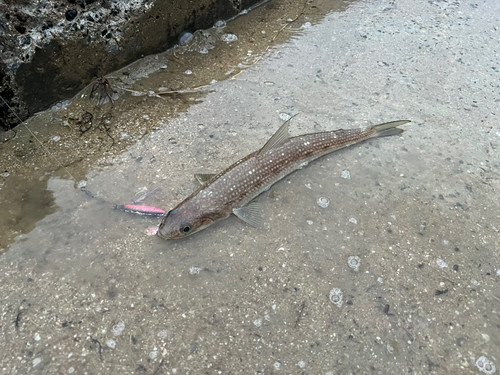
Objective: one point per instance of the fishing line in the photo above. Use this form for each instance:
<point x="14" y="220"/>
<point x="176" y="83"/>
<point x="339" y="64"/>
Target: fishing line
<point x="41" y="144"/>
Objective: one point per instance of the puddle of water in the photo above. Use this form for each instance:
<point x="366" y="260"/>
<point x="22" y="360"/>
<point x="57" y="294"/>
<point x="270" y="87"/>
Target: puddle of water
<point x="88" y="131"/>
<point x="26" y="202"/>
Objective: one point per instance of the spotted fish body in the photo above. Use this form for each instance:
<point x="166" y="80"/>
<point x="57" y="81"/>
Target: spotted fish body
<point x="233" y="190"/>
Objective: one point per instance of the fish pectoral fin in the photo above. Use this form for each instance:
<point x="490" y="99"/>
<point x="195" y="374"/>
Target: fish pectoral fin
<point x="250" y="214"/>
<point x="280" y="137"/>
<point x="202" y="178"/>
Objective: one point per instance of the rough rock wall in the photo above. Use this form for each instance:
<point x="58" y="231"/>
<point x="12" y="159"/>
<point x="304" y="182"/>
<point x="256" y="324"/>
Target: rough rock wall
<point x="49" y="50"/>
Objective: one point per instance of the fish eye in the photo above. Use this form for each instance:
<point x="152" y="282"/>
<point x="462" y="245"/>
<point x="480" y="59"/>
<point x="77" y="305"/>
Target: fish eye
<point x="186" y="228"/>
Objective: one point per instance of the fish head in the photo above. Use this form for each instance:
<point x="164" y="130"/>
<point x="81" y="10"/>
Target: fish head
<point x="183" y="221"/>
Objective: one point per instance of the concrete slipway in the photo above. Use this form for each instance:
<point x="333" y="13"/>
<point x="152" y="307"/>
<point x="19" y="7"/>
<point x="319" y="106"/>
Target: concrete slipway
<point x="399" y="274"/>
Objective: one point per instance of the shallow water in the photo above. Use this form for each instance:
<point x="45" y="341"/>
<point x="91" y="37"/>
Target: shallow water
<point x="398" y="274"/>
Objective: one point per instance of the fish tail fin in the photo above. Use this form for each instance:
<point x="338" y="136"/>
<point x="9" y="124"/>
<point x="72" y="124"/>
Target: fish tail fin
<point x="389" y="128"/>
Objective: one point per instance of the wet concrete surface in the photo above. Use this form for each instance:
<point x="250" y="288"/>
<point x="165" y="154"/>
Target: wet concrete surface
<point x="399" y="274"/>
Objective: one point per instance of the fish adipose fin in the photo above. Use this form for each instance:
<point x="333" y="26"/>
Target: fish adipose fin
<point x="389" y="128"/>
<point x="280" y="137"/>
<point x="250" y="214"/>
<point x="202" y="178"/>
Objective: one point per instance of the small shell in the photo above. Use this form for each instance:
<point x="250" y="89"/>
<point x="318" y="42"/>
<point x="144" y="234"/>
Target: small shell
<point x="323" y="202"/>
<point x="354" y="262"/>
<point x="336" y="297"/>
<point x="118" y="328"/>
<point x="485" y="365"/>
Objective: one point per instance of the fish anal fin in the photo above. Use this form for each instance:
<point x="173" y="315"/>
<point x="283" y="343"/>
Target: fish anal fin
<point x="202" y="178"/>
<point x="250" y="214"/>
<point x="280" y="137"/>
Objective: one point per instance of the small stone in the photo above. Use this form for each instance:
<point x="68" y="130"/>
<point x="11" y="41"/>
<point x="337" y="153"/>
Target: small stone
<point x="220" y="24"/>
<point x="285" y="116"/>
<point x="229" y="38"/>
<point x="185" y="38"/>
<point x="195" y="270"/>
<point x="111" y="344"/>
<point x="441" y="263"/>
<point x="112" y="48"/>
<point x="162" y="334"/>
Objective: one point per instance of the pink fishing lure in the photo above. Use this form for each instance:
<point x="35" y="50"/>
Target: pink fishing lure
<point x="140" y="210"/>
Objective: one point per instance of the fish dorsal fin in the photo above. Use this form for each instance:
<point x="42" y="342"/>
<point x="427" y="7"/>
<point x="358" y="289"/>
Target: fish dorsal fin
<point x="280" y="137"/>
<point x="250" y="214"/>
<point x="202" y="178"/>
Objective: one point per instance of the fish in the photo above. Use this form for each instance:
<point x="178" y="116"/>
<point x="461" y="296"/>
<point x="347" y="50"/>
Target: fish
<point x="141" y="210"/>
<point x="234" y="190"/>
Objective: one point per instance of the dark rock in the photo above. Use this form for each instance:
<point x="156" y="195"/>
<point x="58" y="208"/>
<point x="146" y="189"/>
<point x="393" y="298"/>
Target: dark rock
<point x="26" y="41"/>
<point x="68" y="62"/>
<point x="439" y="292"/>
<point x="20" y="29"/>
<point x="71" y="14"/>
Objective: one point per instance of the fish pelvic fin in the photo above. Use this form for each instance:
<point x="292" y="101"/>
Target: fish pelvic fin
<point x="280" y="137"/>
<point x="389" y="128"/>
<point x="250" y="214"/>
<point x="203" y="178"/>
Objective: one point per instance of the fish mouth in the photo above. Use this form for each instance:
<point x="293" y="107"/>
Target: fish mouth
<point x="158" y="233"/>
